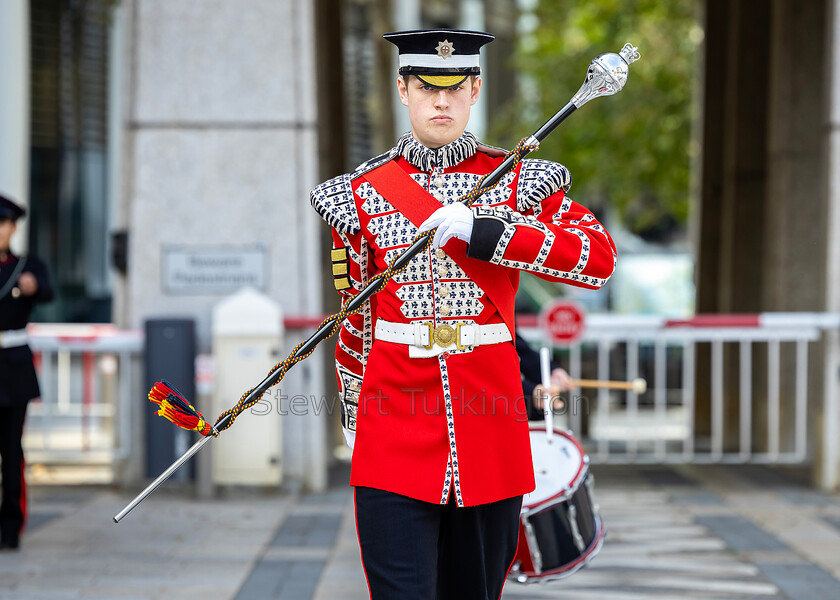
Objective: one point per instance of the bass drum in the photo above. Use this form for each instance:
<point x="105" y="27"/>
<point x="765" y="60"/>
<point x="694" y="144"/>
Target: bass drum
<point x="560" y="529"/>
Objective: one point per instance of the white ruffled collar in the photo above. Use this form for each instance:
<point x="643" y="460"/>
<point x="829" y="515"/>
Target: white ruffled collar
<point x="444" y="157"/>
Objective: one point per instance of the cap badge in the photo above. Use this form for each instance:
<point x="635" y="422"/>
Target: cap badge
<point x="445" y="49"/>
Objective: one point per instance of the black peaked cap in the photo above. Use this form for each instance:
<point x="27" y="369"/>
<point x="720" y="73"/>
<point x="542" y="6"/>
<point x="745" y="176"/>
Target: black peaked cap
<point x="10" y="210"/>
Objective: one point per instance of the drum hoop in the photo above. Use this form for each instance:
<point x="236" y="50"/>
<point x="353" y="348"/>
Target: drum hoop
<point x="579" y="477"/>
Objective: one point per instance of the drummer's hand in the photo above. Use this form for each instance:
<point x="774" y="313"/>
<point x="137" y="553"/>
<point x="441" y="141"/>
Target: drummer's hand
<point x="539" y="394"/>
<point x="28" y="284"/>
<point x="560" y="381"/>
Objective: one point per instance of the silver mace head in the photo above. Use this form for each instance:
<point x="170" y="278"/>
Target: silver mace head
<point x="606" y="75"/>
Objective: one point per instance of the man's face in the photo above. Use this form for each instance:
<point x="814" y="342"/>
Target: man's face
<point x="437" y="116"/>
<point x="7" y="228"/>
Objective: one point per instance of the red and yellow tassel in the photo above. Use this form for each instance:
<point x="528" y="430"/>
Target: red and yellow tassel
<point x="174" y="406"/>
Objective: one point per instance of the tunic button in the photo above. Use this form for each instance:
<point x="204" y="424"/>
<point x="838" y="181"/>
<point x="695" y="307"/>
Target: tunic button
<point x="445" y="355"/>
<point x="440" y="253"/>
<point x="445" y="310"/>
<point x="438" y="181"/>
<point x="443" y="272"/>
<point x="440" y="196"/>
<point x="444" y="291"/>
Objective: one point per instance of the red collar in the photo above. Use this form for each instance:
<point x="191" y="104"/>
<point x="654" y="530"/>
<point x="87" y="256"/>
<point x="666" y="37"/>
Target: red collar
<point x="6" y="258"/>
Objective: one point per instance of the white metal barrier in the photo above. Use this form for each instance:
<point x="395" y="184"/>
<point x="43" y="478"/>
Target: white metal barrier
<point x="89" y="375"/>
<point x="618" y="428"/>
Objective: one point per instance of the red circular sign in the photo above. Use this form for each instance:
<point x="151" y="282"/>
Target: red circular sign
<point x="563" y="321"/>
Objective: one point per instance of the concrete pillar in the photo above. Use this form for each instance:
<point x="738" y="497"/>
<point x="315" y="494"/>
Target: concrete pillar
<point x="795" y="199"/>
<point x="828" y="467"/>
<point x="732" y="197"/>
<point x="733" y="184"/>
<point x="14" y="106"/>
<point x="220" y="155"/>
<point x="769" y="236"/>
<point x="708" y="241"/>
<point x="795" y="230"/>
<point x="222" y="139"/>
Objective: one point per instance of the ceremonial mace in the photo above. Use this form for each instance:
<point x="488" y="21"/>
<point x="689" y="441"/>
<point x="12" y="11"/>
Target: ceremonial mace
<point x="605" y="76"/>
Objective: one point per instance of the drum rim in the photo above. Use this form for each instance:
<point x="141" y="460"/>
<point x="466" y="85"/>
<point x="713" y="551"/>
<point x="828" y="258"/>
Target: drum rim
<point x="576" y="481"/>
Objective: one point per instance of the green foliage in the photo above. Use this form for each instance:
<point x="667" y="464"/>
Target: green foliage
<point x="630" y="151"/>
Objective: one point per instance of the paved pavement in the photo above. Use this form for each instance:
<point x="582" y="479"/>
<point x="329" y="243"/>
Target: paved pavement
<point x="674" y="532"/>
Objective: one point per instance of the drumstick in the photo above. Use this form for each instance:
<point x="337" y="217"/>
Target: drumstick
<point x="638" y="386"/>
<point x="545" y="369"/>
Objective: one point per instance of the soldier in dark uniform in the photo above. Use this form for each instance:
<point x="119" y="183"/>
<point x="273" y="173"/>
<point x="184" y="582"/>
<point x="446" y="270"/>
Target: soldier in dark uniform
<point x="23" y="283"/>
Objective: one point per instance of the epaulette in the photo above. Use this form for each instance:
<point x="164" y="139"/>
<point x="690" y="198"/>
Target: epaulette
<point x="333" y="199"/>
<point x="539" y="179"/>
<point x="370" y="165"/>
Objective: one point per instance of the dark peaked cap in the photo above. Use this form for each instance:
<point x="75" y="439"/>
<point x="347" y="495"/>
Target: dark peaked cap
<point x="10" y="210"/>
<point x="441" y="58"/>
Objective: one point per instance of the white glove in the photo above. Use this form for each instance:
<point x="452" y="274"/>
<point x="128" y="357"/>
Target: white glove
<point x="350" y="436"/>
<point x="453" y="220"/>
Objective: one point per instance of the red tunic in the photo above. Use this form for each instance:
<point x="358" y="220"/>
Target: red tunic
<point x="455" y="422"/>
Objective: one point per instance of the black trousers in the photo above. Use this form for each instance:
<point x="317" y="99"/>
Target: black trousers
<point x="13" y="508"/>
<point x="414" y="550"/>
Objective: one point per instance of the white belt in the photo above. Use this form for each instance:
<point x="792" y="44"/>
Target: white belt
<point x="424" y="339"/>
<point x="13" y="337"/>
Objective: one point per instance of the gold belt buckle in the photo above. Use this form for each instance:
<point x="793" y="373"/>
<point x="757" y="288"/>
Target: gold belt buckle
<point x="444" y="335"/>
